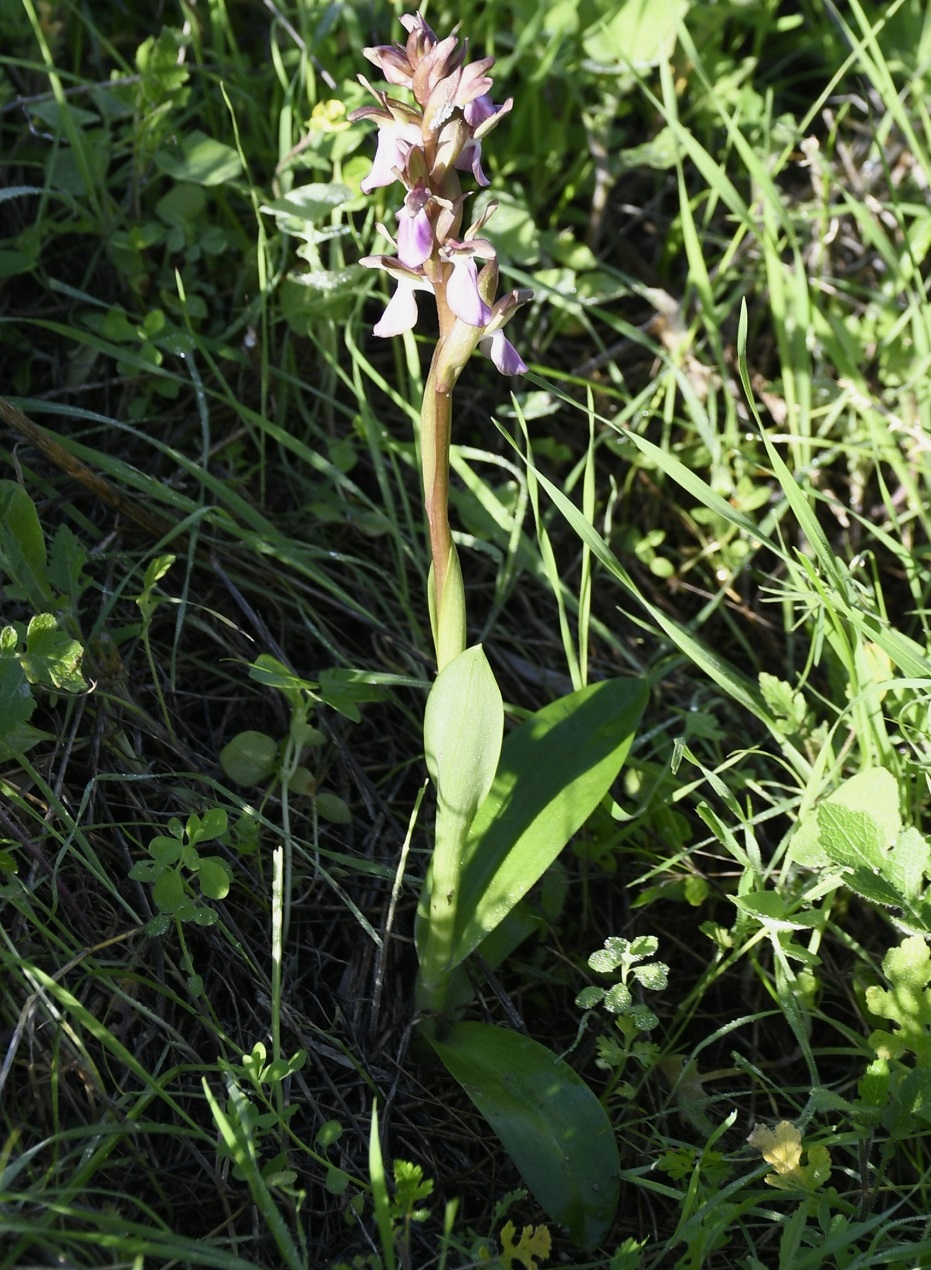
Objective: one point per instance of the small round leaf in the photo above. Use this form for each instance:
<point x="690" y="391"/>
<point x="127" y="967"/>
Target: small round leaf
<point x="250" y="758"/>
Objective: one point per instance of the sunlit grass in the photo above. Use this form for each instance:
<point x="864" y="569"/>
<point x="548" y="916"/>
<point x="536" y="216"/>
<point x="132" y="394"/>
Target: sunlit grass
<point x="715" y="478"/>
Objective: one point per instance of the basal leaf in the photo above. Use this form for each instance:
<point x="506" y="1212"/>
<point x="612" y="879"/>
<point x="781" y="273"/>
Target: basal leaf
<point x="549" y="1121"/>
<point x="555" y="769"/>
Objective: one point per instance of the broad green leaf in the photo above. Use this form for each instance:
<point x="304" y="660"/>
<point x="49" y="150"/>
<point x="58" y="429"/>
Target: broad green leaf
<point x="549" y="1121"/>
<point x="463" y="726"/>
<point x="308" y="204"/>
<point x="554" y="771"/>
<point x="909" y="863"/>
<point x="165" y="851"/>
<point x="22" y="547"/>
<point x="204" y="160"/>
<point x="873" y="793"/>
<point x="212" y="824"/>
<point x="852" y="839"/>
<point x="639" y="33"/>
<point x="16" y="699"/>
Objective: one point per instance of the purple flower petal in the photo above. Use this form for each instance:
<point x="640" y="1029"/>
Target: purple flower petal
<point x="415" y="230"/>
<point x="394" y="139"/>
<point x="478" y="110"/>
<point x="503" y="353"/>
<point x="462" y="292"/>
<point x="470" y="160"/>
<point x="400" y="312"/>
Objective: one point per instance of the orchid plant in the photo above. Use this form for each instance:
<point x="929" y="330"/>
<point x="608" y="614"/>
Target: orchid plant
<point x="506" y="806"/>
<point x="425" y="145"/>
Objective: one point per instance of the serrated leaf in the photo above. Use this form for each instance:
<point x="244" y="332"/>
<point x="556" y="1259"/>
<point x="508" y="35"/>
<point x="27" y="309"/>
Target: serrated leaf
<point x="874" y="793"/>
<point x="549" y="1121"/>
<point x="908" y="1001"/>
<point x="783" y="700"/>
<point x="852" y="839"/>
<point x="51" y="657"/>
<point x="67" y="558"/>
<point x="909" y="863"/>
<point x="535" y="1241"/>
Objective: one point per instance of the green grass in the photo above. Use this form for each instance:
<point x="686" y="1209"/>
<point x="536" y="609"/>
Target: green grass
<point x="715" y="478"/>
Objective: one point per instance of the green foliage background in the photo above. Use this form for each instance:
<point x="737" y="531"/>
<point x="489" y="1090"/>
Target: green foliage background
<point x="713" y="480"/>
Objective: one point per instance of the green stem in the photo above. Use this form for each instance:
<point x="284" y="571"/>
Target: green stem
<point x="446" y="593"/>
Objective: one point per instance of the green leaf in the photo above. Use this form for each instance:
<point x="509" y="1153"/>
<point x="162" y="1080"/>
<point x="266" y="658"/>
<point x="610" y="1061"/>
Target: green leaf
<point x="380" y="1197"/>
<point x="168" y="893"/>
<point x="204" y="160"/>
<point x="549" y="1121"/>
<point x="22" y="547"/>
<point x="16" y="699"/>
<point x="250" y="758"/>
<point x="165" y="851"/>
<point x="639" y="33"/>
<point x="344" y="689"/>
<point x="213" y="824"/>
<point x="52" y="657"/>
<point x="907" y="1003"/>
<point x="272" y="673"/>
<point x="463" y="726"/>
<point x="214" y="877"/>
<point x="554" y="771"/>
<point x="308" y="204"/>
<point x="332" y="808"/>
<point x="825" y="837"/>
<point x="156" y="569"/>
